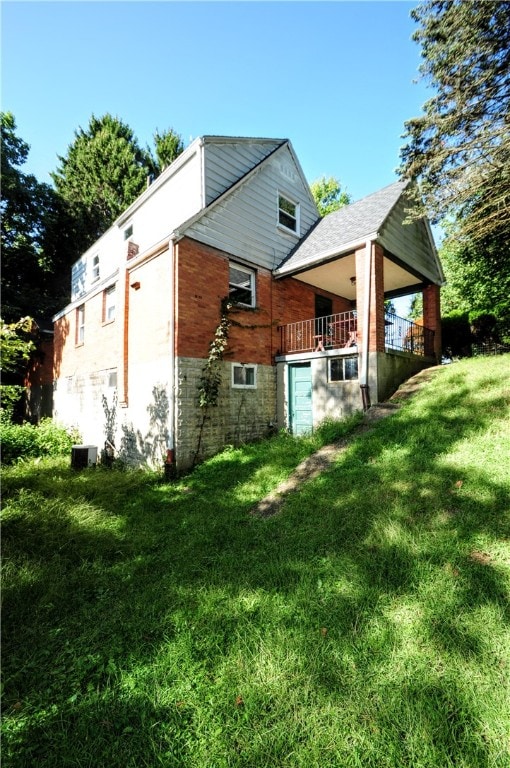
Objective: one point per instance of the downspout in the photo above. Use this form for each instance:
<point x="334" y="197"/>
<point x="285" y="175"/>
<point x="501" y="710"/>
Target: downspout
<point x="365" y="391"/>
<point x="170" y="453"/>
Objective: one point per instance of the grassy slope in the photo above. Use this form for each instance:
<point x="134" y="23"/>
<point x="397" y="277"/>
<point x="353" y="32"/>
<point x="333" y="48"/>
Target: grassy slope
<point x="366" y="625"/>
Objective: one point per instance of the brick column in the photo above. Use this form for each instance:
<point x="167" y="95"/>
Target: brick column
<point x="376" y="339"/>
<point x="432" y="320"/>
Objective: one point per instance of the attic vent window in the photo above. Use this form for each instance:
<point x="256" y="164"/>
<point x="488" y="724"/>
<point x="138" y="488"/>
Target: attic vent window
<point x="128" y="232"/>
<point x="288" y="214"/>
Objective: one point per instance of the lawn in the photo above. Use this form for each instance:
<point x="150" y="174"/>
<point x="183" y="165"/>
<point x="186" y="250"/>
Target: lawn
<point x="365" y="625"/>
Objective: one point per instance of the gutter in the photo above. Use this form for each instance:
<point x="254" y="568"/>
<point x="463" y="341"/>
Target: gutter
<point x="365" y="391"/>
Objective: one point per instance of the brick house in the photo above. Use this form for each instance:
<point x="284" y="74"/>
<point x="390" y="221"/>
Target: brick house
<point x="233" y="218"/>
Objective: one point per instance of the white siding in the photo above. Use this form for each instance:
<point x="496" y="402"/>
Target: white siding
<point x="226" y="162"/>
<point x="410" y="243"/>
<point x="245" y="223"/>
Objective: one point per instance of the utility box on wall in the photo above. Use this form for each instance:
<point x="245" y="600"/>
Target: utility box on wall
<point x="83" y="456"/>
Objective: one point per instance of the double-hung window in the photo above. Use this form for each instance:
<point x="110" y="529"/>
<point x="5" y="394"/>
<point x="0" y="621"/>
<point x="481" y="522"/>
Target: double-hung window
<point x="241" y="285"/>
<point x="95" y="268"/>
<point x="80" y="324"/>
<point x="288" y="214"/>
<point x="109" y="304"/>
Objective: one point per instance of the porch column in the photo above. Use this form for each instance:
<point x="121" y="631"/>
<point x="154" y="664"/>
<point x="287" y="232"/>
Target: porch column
<point x="432" y="319"/>
<point x="376" y="315"/>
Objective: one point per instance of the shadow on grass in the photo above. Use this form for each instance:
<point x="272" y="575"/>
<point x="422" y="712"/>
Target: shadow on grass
<point x="373" y="557"/>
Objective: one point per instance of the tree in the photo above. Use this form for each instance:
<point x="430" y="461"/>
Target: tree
<point x="103" y="172"/>
<point x="329" y="195"/>
<point x="168" y="146"/>
<point x="460" y="147"/>
<point x="25" y="206"/>
<point x="17" y="345"/>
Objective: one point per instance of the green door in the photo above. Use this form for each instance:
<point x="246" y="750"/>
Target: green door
<point x="300" y="398"/>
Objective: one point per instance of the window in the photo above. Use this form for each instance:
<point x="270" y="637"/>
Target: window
<point x="109" y="304"/>
<point x="343" y="368"/>
<point x="80" y="324"/>
<point x="241" y="285"/>
<point x="95" y="268"/>
<point x="244" y="376"/>
<point x="128" y="232"/>
<point x="111" y="378"/>
<point x="288" y="214"/>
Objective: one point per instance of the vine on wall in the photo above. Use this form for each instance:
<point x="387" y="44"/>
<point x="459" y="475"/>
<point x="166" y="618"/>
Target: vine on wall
<point x="210" y="380"/>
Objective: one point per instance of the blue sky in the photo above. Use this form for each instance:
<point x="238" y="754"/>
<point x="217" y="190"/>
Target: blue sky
<point x="336" y="78"/>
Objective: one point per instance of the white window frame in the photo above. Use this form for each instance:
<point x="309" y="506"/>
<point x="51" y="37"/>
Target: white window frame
<point x="95" y="268"/>
<point x="111" y="378"/>
<point x="244" y="367"/>
<point x="109" y="307"/>
<point x="128" y="232"/>
<point x="80" y="324"/>
<point x="343" y="361"/>
<point x="295" y="216"/>
<point x="251" y="274"/>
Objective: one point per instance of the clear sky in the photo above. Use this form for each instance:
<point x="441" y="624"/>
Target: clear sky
<point x="336" y="78"/>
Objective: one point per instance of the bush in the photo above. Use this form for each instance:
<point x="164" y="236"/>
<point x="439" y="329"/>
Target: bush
<point x="456" y="334"/>
<point x="28" y="441"/>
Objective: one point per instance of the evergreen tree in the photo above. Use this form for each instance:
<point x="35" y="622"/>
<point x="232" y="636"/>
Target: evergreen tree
<point x="25" y="206"/>
<point x="460" y="147"/>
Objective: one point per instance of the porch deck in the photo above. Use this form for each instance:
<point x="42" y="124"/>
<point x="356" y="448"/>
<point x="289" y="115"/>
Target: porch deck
<point x="340" y="331"/>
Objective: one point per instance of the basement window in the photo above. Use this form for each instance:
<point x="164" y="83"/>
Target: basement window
<point x="343" y="368"/>
<point x="244" y="376"/>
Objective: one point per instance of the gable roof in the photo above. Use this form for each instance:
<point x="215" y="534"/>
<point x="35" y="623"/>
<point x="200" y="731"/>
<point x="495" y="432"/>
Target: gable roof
<point x="341" y="230"/>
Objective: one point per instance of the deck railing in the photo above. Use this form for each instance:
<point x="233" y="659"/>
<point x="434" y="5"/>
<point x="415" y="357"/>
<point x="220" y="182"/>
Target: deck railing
<point x="319" y="333"/>
<point x="340" y="332"/>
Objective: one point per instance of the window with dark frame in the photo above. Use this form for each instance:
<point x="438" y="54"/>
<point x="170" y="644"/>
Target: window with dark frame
<point x="288" y="213"/>
<point x="241" y="285"/>
<point x="343" y="368"/>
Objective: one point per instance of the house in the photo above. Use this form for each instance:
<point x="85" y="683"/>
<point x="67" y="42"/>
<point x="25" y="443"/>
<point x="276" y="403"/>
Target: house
<point x="228" y="240"/>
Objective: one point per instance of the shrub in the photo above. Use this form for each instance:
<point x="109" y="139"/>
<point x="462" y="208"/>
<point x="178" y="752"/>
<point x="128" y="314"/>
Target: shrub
<point x="29" y="441"/>
<point x="456" y="334"/>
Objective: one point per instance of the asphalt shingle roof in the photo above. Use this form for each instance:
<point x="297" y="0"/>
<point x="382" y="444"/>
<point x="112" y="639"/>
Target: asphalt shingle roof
<point x="350" y="224"/>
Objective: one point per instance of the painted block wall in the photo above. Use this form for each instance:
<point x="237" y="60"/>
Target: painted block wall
<point x="241" y="415"/>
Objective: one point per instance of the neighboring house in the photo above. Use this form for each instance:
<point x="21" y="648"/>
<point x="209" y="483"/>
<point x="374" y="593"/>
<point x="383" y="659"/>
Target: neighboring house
<point x="308" y="339"/>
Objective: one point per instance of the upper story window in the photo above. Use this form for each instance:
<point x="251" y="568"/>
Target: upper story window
<point x="80" y="324"/>
<point x="288" y="214"/>
<point x="241" y="285"/>
<point x="95" y="268"/>
<point x="128" y="232"/>
<point x="109" y="304"/>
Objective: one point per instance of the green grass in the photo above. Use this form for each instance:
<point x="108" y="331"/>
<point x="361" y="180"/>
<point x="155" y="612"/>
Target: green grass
<point x="366" y="625"/>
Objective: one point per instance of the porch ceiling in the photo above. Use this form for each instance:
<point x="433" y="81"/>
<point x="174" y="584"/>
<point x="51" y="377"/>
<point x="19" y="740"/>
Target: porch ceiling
<point x="335" y="277"/>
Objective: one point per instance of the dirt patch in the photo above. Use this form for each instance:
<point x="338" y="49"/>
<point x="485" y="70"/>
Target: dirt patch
<point x="326" y="456"/>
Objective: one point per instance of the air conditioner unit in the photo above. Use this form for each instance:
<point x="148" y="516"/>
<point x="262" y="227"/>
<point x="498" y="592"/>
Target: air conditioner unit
<point x="83" y="456"/>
